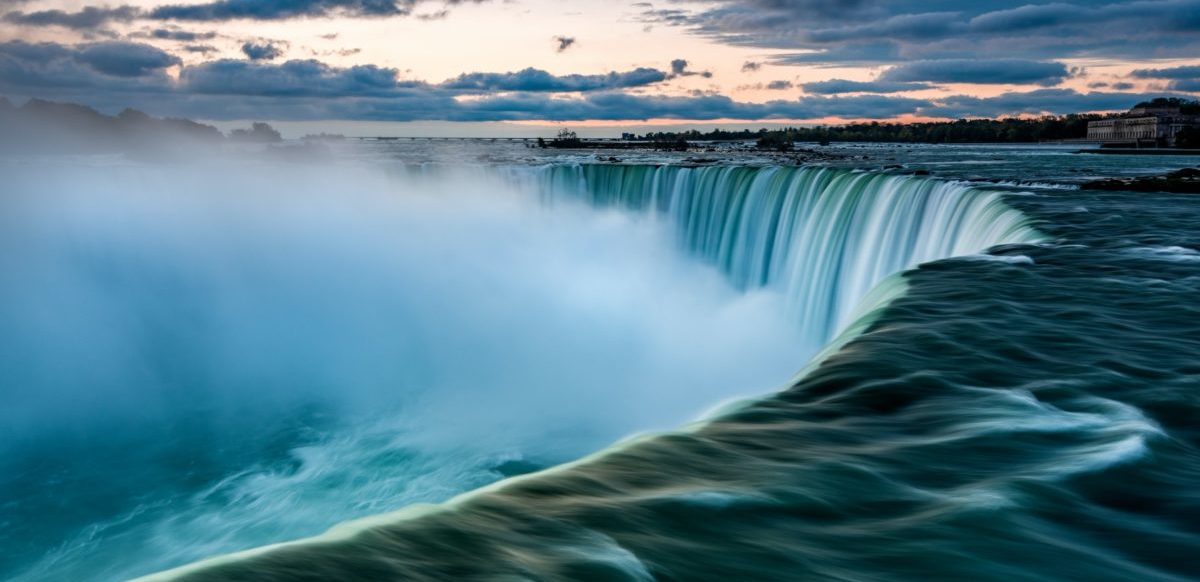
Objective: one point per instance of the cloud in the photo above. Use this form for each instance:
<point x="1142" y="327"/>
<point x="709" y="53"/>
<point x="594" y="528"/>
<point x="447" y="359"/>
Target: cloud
<point x="1185" y="79"/>
<point x="265" y="51"/>
<point x="118" y="74"/>
<point x="309" y="89"/>
<point x="841" y="86"/>
<point x="89" y="70"/>
<point x="222" y="10"/>
<point x="989" y="71"/>
<point x="125" y="59"/>
<point x="93" y="17"/>
<point x="614" y="106"/>
<point x="1041" y="101"/>
<point x="780" y="85"/>
<point x="1118" y="86"/>
<point x="89" y="18"/>
<point x="536" y="80"/>
<point x="751" y="66"/>
<point x="180" y="35"/>
<point x="298" y="78"/>
<point x="679" y="68"/>
<point x="564" y="42"/>
<point x="888" y="31"/>
<point x="1191" y="72"/>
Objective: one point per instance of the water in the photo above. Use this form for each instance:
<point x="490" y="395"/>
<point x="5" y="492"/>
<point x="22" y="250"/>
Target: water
<point x="1033" y="400"/>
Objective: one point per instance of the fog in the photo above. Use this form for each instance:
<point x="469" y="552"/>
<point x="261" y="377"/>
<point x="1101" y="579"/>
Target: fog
<point x="448" y="317"/>
<point x="131" y="290"/>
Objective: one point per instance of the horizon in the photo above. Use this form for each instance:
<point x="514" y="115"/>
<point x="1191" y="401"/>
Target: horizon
<point x="436" y="130"/>
<point x="495" y="69"/>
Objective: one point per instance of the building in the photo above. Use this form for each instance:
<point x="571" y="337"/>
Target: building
<point x="1147" y="125"/>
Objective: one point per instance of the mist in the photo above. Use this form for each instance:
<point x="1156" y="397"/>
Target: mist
<point x="389" y="336"/>
<point x="356" y="287"/>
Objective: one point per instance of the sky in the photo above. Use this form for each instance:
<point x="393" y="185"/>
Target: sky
<point x="518" y="67"/>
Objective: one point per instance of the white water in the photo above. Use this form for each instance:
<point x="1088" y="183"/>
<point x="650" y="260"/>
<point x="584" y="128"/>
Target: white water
<point x="419" y="333"/>
<point x="438" y="324"/>
<point x="823" y="237"/>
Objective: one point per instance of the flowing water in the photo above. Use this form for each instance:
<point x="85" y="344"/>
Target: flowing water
<point x="205" y="362"/>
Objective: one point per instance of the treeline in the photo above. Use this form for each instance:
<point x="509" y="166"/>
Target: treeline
<point x="1185" y="106"/>
<point x="47" y="126"/>
<point x="1012" y="130"/>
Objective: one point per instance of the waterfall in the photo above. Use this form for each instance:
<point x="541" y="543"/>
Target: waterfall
<point x="832" y="241"/>
<point x="823" y="236"/>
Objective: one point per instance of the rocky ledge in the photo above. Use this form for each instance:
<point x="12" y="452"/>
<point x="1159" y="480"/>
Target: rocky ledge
<point x="1185" y="181"/>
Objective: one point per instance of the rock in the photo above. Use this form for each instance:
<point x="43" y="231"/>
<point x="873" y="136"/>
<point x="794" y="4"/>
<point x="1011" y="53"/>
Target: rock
<point x="1185" y="181"/>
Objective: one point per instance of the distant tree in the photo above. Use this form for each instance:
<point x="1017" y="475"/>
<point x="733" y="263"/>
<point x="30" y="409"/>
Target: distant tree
<point x="1186" y="106"/>
<point x="259" y="132"/>
<point x="775" y="141"/>
<point x="565" y="139"/>
<point x="1013" y="130"/>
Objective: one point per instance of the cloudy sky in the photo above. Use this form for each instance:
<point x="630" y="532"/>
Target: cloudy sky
<point x="441" y="64"/>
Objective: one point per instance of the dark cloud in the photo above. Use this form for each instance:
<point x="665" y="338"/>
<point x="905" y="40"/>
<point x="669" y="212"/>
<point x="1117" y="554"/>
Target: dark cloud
<point x="1186" y="79"/>
<point x="180" y="35"/>
<point x="1041" y="101"/>
<point x="239" y="89"/>
<point x="981" y="71"/>
<point x="564" y="43"/>
<point x="751" y="66"/>
<point x="841" y="86"/>
<point x="883" y="31"/>
<point x="125" y="59"/>
<point x="93" y="17"/>
<point x="89" y="18"/>
<point x="1192" y="72"/>
<point x="679" y="68"/>
<point x="264" y="51"/>
<point x="96" y="70"/>
<point x="623" y="106"/>
<point x="536" y="80"/>
<point x="122" y="59"/>
<point x="306" y="78"/>
<point x="222" y="10"/>
<point x="115" y="75"/>
<point x="781" y="85"/>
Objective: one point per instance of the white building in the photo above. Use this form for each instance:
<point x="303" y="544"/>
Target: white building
<point x="1142" y="126"/>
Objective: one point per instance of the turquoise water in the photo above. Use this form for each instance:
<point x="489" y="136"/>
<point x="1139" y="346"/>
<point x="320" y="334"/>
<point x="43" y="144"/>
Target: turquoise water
<point x="1018" y="407"/>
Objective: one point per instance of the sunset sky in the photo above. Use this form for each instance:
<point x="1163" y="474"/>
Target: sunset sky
<point x="504" y="67"/>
